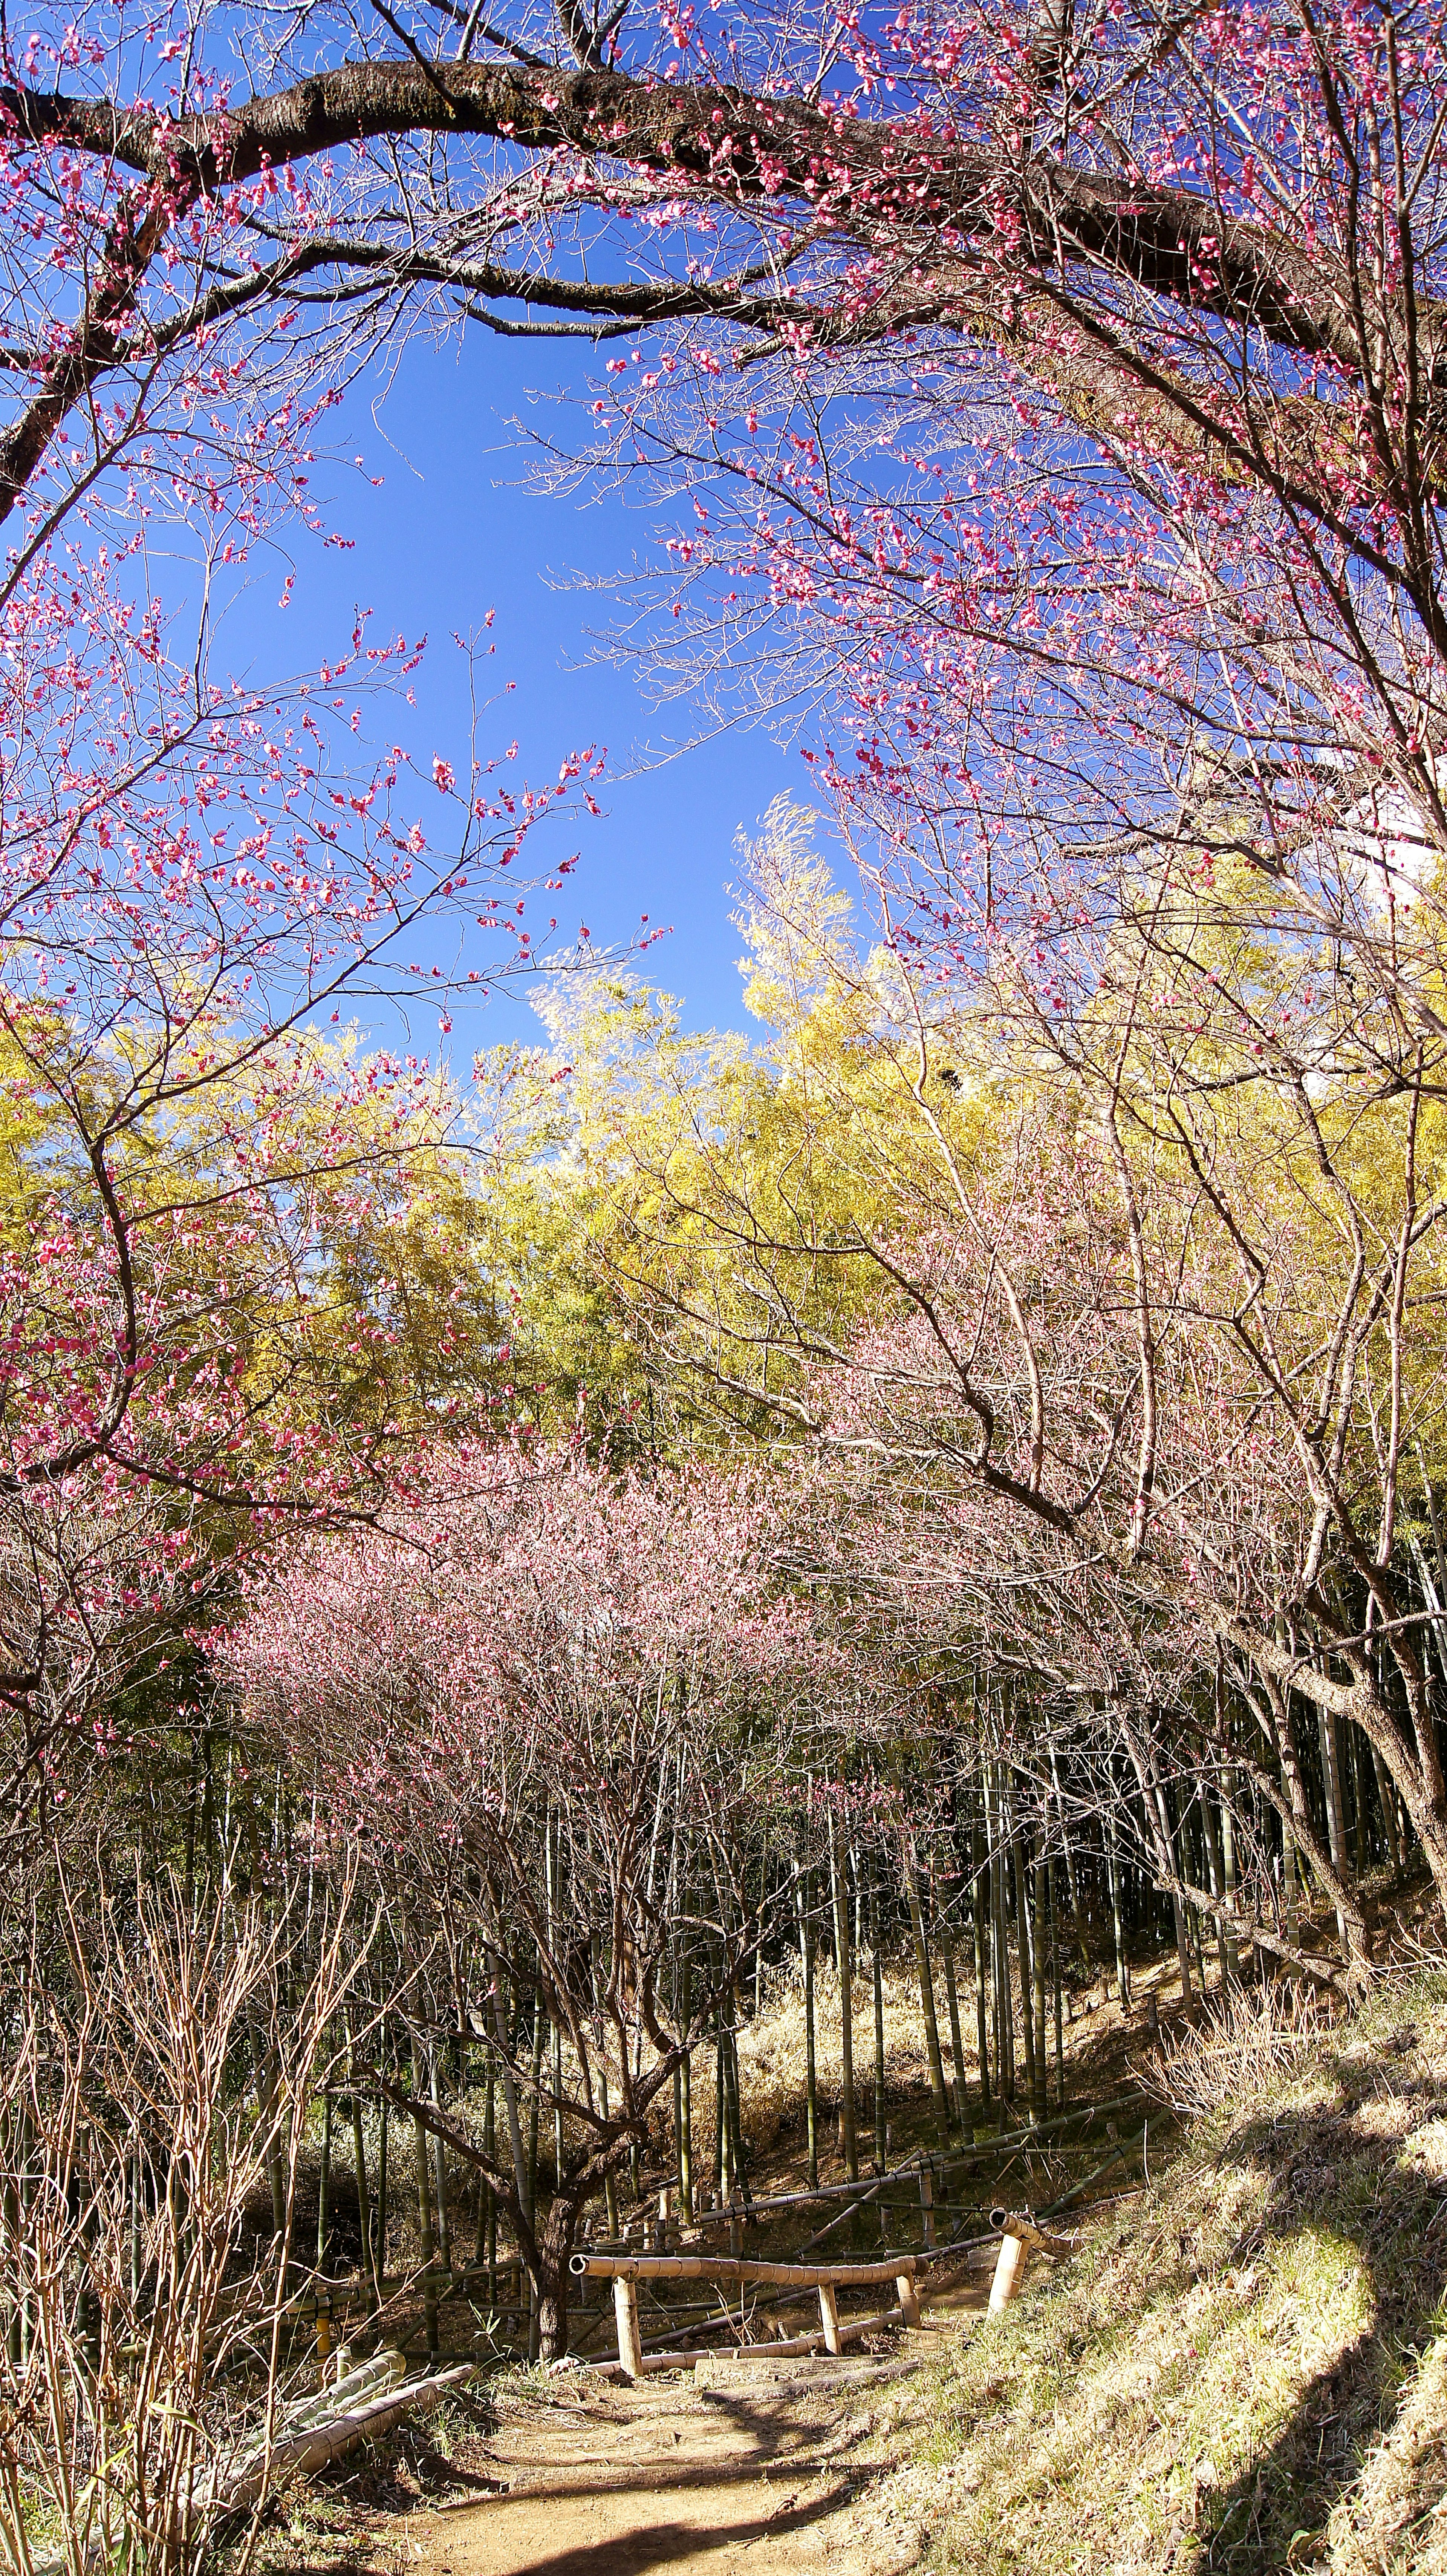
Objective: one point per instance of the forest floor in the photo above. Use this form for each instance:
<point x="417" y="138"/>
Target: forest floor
<point x="739" y="2469"/>
<point x="532" y="2475"/>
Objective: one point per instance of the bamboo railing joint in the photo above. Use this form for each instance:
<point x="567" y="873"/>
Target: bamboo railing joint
<point x="1020" y="2237"/>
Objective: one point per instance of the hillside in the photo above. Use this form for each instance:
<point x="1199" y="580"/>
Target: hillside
<point x="1244" y="2366"/>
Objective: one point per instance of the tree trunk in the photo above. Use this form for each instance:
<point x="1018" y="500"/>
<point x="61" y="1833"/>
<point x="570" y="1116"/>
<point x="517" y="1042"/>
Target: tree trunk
<point x="1040" y="2098"/>
<point x="424" y="2209"/>
<point x="364" y="2216"/>
<point x="555" y="2241"/>
<point x="979" y="1912"/>
<point x="927" y="2001"/>
<point x="957" y="2045"/>
<point x="811" y="2090"/>
<point x="846" y="2004"/>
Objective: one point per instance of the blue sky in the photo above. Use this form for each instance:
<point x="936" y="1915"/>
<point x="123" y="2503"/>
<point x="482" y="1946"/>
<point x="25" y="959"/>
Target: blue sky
<point x="451" y="533"/>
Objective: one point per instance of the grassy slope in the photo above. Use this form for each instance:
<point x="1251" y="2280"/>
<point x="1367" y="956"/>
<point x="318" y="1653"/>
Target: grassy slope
<point x="1244" y="2367"/>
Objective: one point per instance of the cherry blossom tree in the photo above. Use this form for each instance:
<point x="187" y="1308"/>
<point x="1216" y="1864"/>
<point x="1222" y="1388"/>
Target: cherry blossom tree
<point x="553" y="1707"/>
<point x="197" y="881"/>
<point x="1121" y="1318"/>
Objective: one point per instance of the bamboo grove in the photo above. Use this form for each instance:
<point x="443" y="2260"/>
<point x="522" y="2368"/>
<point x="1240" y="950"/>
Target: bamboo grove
<point x="505" y="1572"/>
<point x="395" y="1926"/>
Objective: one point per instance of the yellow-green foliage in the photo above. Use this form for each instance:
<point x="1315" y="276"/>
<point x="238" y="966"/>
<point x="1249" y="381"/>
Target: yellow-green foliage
<point x="1237" y="2369"/>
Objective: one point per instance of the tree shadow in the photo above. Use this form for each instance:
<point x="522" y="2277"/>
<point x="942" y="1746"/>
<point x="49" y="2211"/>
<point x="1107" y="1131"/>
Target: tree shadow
<point x="1331" y="2176"/>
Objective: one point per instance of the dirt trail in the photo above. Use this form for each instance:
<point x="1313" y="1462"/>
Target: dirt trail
<point x="755" y="2471"/>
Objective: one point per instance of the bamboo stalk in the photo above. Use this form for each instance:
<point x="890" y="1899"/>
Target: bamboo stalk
<point x="927" y="2000"/>
<point x="846" y="1999"/>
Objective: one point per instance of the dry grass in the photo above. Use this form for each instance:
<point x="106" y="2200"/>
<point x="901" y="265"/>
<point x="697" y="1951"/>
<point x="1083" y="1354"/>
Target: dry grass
<point x="1244" y="2367"/>
<point x="1236" y="2054"/>
<point x="771" y="2050"/>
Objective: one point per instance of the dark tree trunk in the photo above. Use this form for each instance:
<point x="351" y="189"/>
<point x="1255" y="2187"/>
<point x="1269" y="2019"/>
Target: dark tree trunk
<point x="555" y="2241"/>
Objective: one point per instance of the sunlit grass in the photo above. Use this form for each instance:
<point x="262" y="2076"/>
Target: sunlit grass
<point x="1235" y="2371"/>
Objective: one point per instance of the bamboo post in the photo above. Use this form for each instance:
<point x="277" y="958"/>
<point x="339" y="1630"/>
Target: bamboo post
<point x="1059" y="2009"/>
<point x="876" y="1946"/>
<point x="908" y="2298"/>
<point x="625" y="2309"/>
<point x="685" y="2137"/>
<point x="1023" y="1929"/>
<point x="829" y="2316"/>
<point x="439" y="2167"/>
<point x="1112" y="1865"/>
<point x="738" y="2159"/>
<point x="1019" y="2238"/>
<point x="927" y="2202"/>
<point x="980" y="1900"/>
<point x="811" y="2089"/>
<point x="1000" y="2005"/>
<point x="424" y="2207"/>
<point x="489" y="2196"/>
<point x="1009" y="2270"/>
<point x="379" y="2209"/>
<point x="723" y="2178"/>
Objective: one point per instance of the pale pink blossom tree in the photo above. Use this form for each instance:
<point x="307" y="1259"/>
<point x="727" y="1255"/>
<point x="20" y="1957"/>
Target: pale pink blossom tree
<point x="552" y="1706"/>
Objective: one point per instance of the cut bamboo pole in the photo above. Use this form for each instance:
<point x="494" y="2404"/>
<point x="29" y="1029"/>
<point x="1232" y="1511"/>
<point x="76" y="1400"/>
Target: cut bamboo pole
<point x="367" y="2380"/>
<point x="829" y="2316"/>
<point x="316" y="2444"/>
<point x="1019" y="2238"/>
<point x="625" y="2308"/>
<point x="736" y="2271"/>
<point x="793" y="2348"/>
<point x="960" y="2160"/>
<point x="1009" y="2270"/>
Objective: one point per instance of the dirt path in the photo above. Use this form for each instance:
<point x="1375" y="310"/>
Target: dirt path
<point x="756" y="2470"/>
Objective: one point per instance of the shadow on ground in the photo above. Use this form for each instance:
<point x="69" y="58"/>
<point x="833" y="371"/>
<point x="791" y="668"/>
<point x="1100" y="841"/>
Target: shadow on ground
<point x="1335" y="2170"/>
